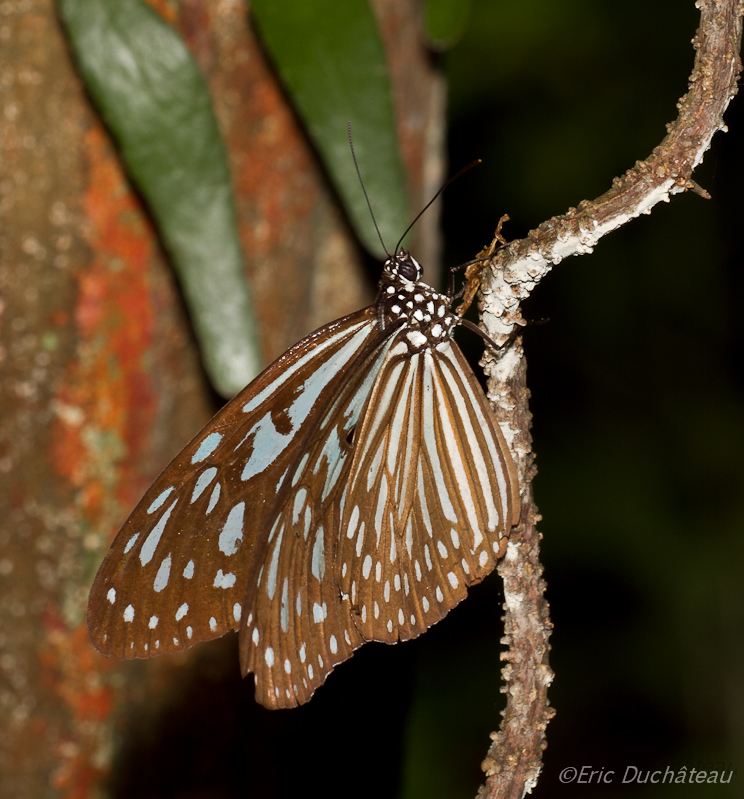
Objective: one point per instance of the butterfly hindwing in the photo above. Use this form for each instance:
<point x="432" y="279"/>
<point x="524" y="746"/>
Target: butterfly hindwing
<point x="172" y="577"/>
<point x="430" y="498"/>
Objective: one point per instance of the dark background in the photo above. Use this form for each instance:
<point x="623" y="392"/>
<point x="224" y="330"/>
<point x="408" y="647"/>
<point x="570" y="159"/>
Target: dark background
<point x="636" y="393"/>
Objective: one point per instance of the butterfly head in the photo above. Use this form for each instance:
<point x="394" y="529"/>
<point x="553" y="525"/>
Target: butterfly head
<point x="403" y="267"/>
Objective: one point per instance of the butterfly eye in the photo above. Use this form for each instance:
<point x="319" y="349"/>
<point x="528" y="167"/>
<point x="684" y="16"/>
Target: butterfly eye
<point x="407" y="270"/>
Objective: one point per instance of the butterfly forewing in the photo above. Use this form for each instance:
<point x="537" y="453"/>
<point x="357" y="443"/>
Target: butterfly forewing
<point x="177" y="572"/>
<point x="298" y="625"/>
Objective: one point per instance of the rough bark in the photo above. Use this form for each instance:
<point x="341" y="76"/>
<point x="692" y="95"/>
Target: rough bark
<point x="101" y="383"/>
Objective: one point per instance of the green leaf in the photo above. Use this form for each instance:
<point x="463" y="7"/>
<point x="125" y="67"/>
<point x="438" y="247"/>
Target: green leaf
<point x="446" y="22"/>
<point x="330" y="57"/>
<point x="156" y="103"/>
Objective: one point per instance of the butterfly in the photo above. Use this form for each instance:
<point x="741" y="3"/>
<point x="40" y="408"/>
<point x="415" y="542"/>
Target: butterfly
<point x="351" y="493"/>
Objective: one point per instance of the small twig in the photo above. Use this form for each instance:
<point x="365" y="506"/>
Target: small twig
<point x="514" y="759"/>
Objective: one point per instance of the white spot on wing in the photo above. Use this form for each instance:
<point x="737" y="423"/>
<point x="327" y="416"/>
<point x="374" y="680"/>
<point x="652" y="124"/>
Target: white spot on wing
<point x="111" y="596"/>
<point x="132" y="541"/>
<point x="153" y="539"/>
<point x="213" y="624"/>
<point x="317" y="564"/>
<point x="224" y="580"/>
<point x="207" y="447"/>
<point x="284" y="613"/>
<point x="129" y="613"/>
<point x="381" y="501"/>
<point x="188" y="571"/>
<point x="159" y="501"/>
<point x="163" y="575"/>
<point x="269" y="656"/>
<point x="182" y="611"/>
<point x="299" y="502"/>
<point x="300" y="469"/>
<point x="353" y="521"/>
<point x="232" y="532"/>
<point x="273" y="566"/>
<point x="214" y="498"/>
<point x="202" y="483"/>
<point x="153" y="623"/>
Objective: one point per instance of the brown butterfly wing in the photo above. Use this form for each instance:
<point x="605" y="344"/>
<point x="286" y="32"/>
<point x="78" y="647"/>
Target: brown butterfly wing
<point x="176" y="573"/>
<point x="297" y="624"/>
<point x="432" y="495"/>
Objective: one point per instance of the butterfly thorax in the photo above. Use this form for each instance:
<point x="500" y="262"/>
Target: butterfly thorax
<point x="422" y="313"/>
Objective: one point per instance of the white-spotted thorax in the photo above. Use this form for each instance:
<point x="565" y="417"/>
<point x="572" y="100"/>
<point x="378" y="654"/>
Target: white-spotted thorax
<point x="424" y="315"/>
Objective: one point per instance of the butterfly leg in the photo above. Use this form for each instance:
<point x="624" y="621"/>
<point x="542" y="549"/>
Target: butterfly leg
<point x="474" y="269"/>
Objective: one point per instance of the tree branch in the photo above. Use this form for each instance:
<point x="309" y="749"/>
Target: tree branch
<point x="514" y="760"/>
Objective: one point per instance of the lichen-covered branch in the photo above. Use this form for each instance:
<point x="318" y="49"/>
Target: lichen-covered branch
<point x="514" y="759"/>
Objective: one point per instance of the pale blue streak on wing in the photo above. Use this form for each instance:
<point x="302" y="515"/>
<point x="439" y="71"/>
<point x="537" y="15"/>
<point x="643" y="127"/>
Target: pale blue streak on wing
<point x="267" y="442"/>
<point x="153" y="539"/>
<point x="286" y="374"/>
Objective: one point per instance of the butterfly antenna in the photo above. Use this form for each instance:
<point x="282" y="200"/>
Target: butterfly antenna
<point x="369" y="204"/>
<point x="426" y="207"/>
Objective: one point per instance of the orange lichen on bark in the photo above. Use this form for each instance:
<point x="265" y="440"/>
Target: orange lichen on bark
<point x="106" y="405"/>
<point x="71" y="670"/>
<point x="106" y="408"/>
